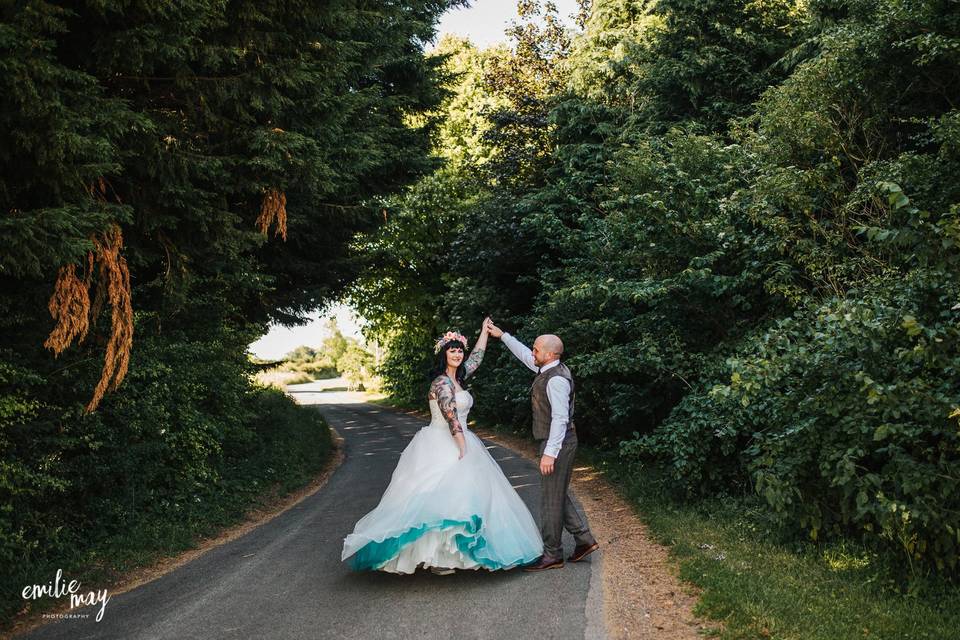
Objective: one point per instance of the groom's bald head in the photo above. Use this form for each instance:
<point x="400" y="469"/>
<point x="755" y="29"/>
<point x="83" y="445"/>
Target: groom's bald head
<point x="546" y="349"/>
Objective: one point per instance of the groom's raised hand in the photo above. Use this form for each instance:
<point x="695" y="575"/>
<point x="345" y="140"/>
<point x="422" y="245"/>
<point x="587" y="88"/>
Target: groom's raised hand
<point x="494" y="330"/>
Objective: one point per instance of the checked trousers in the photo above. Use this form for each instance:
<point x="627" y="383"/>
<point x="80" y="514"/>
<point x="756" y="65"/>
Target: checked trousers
<point x="557" y="511"/>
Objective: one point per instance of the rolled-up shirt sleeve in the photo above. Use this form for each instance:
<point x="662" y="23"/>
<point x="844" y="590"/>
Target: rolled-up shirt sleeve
<point x="520" y="350"/>
<point x="558" y="391"/>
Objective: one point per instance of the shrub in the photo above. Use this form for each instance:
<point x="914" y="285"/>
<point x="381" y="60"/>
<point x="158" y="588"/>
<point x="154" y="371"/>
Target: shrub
<point x="843" y="417"/>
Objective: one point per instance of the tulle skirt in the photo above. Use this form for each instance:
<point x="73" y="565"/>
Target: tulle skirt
<point x="446" y="512"/>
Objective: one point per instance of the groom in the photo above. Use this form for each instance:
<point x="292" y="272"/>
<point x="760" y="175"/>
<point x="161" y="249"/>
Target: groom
<point x="553" y="395"/>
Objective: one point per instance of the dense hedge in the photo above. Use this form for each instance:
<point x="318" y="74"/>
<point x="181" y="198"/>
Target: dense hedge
<point x="172" y="468"/>
<point x="839" y="416"/>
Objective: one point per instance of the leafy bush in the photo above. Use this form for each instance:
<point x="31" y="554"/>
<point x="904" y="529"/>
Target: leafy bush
<point x="358" y="368"/>
<point x="842" y="416"/>
<point x="405" y="367"/>
<point x="338" y="355"/>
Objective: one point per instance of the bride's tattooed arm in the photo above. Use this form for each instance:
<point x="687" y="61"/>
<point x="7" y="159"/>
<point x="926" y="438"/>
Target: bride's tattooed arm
<point x="476" y="357"/>
<point x="443" y="392"/>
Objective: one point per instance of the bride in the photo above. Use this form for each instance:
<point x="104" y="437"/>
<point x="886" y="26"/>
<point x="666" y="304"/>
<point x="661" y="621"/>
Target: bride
<point x="448" y="505"/>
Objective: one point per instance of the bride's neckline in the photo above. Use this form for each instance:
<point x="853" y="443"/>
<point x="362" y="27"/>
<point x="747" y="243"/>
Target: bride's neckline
<point x="456" y="387"/>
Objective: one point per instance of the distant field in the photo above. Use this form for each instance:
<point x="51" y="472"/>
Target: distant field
<point x="276" y="378"/>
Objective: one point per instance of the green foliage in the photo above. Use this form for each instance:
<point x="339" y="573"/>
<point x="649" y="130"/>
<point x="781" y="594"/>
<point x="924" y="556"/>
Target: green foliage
<point x="336" y="344"/>
<point x="656" y="282"/>
<point x="705" y="62"/>
<point x="840" y="417"/>
<point x="172" y="447"/>
<point x="742" y="219"/>
<point x="313" y="364"/>
<point x="837" y="415"/>
<point x="405" y="367"/>
<point x="337" y="355"/>
<point x="358" y="367"/>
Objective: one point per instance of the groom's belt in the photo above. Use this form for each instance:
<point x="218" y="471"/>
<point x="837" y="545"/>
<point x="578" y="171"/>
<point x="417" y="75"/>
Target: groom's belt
<point x="571" y="428"/>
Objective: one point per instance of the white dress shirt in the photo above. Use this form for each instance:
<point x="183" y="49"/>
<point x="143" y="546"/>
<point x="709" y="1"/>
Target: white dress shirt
<point x="558" y="392"/>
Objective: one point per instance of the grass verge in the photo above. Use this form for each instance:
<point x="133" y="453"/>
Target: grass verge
<point x="760" y="583"/>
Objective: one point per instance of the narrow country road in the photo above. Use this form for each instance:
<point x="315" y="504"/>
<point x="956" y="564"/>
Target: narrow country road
<point x="284" y="579"/>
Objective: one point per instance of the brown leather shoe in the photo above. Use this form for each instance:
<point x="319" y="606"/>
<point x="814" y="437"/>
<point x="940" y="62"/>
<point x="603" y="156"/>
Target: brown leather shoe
<point x="582" y="551"/>
<point x="544" y="563"/>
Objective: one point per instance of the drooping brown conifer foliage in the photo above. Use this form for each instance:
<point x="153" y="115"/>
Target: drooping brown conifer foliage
<point x="273" y="209"/>
<point x="70" y="307"/>
<point x="115" y="277"/>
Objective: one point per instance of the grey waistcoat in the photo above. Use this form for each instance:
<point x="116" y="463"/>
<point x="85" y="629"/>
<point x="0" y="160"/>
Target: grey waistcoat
<point x="541" y="401"/>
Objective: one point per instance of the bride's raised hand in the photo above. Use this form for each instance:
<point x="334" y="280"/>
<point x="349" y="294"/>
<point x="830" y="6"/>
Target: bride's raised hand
<point x="491" y="328"/>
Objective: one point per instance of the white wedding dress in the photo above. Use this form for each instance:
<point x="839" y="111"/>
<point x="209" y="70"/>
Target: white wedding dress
<point x="443" y="511"/>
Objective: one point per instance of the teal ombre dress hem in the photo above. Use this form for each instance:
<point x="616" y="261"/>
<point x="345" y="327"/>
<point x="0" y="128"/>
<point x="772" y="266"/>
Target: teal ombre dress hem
<point x="374" y="555"/>
<point x="445" y="510"/>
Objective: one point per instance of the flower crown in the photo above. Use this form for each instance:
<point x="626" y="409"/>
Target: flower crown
<point x="447" y="337"/>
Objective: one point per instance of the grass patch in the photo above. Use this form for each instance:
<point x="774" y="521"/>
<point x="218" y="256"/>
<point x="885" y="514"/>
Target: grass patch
<point x="761" y="583"/>
<point x="387" y="401"/>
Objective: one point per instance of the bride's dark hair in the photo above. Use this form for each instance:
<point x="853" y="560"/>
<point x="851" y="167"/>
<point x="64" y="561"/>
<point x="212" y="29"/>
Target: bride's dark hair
<point x="440" y="363"/>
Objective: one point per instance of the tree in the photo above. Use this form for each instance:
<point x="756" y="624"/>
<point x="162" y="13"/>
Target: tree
<point x="335" y="344"/>
<point x="199" y="169"/>
<point x="357" y="367"/>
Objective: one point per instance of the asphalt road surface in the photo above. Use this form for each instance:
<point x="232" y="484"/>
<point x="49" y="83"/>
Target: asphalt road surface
<point x="284" y="579"/>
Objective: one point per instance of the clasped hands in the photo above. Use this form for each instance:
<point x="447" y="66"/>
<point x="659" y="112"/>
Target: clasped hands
<point x="491" y="328"/>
